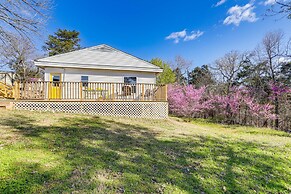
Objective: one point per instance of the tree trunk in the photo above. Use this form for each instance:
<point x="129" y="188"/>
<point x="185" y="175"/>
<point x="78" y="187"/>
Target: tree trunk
<point x="277" y="112"/>
<point x="245" y="116"/>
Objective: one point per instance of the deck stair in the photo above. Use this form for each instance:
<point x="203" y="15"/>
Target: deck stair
<point x="6" y="104"/>
<point x="6" y="91"/>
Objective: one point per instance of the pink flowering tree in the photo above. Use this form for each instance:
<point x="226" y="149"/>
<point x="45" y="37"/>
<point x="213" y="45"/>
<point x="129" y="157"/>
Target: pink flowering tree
<point x="187" y="101"/>
<point x="229" y="105"/>
<point x="259" y="112"/>
<point x="279" y="95"/>
<point x="243" y="105"/>
<point x="236" y="107"/>
<point x="278" y="89"/>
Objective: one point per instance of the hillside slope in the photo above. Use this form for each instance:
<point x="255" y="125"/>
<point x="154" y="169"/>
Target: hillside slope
<point x="46" y="152"/>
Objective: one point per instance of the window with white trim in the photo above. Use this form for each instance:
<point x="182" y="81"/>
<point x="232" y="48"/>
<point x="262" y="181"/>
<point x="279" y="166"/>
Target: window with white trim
<point x="85" y="80"/>
<point x="132" y="82"/>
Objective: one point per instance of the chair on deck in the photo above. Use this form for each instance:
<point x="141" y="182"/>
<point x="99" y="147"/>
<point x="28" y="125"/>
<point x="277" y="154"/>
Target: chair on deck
<point x="126" y="90"/>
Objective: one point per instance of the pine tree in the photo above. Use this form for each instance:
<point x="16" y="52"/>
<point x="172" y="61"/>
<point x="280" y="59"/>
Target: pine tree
<point x="201" y="76"/>
<point x="62" y="41"/>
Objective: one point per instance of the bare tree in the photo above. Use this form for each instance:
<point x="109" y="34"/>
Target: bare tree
<point x="18" y="55"/>
<point x="181" y="69"/>
<point x="22" y="16"/>
<point x="227" y="68"/>
<point x="285" y="8"/>
<point x="272" y="52"/>
<point x="288" y="48"/>
<point x="281" y="7"/>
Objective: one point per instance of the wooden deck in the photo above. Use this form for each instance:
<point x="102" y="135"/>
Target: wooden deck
<point x="88" y="91"/>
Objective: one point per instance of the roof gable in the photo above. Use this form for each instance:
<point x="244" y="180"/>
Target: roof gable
<point x="98" y="57"/>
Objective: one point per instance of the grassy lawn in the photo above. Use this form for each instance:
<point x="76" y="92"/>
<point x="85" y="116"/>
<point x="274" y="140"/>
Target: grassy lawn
<point x="54" y="153"/>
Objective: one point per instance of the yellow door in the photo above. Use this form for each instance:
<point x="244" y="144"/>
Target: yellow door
<point x="55" y="86"/>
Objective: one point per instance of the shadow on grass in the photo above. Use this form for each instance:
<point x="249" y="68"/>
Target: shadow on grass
<point x="101" y="155"/>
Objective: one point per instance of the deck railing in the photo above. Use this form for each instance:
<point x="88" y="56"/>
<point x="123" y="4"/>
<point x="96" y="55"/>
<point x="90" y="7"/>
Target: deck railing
<point x="6" y="91"/>
<point x="90" y="91"/>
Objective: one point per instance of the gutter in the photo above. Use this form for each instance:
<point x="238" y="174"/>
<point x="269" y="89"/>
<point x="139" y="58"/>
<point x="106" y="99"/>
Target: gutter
<point x="95" y="66"/>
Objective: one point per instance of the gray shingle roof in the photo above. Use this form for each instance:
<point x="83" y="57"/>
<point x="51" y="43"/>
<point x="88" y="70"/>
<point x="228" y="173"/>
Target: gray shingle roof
<point x="98" y="57"/>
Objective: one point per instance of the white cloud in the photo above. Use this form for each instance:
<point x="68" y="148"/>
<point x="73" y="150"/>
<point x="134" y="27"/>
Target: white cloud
<point x="176" y="36"/>
<point x="194" y="35"/>
<point x="238" y="14"/>
<point x="273" y="2"/>
<point x="284" y="60"/>
<point x="182" y="35"/>
<point x="220" y="3"/>
<point x="270" y="2"/>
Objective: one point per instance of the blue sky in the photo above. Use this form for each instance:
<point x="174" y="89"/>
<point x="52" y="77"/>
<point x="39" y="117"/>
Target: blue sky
<point x="207" y="29"/>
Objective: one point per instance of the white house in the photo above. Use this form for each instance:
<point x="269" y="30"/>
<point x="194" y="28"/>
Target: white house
<point x="99" y="80"/>
<point x="98" y="64"/>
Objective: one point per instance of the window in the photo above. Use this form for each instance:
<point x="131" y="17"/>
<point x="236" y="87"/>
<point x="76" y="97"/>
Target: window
<point x="131" y="81"/>
<point x="84" y="80"/>
<point x="56" y="80"/>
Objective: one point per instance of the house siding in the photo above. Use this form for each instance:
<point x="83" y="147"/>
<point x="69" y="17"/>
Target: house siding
<point x="6" y="78"/>
<point x="74" y="75"/>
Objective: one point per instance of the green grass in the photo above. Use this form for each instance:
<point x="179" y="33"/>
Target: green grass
<point x="55" y="153"/>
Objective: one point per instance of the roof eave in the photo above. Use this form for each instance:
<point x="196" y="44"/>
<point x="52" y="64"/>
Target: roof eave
<point x="44" y="64"/>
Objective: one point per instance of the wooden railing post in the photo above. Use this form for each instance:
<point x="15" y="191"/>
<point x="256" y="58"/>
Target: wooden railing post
<point x="112" y="92"/>
<point x="50" y="90"/>
<point x="81" y="90"/>
<point x="142" y="92"/>
<point x="166" y="92"/>
<point x="16" y="91"/>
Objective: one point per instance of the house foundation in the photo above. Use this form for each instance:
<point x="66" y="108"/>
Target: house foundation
<point x="150" y="110"/>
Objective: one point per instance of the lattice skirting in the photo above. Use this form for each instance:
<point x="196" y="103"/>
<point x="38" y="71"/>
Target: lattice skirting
<point x="153" y="110"/>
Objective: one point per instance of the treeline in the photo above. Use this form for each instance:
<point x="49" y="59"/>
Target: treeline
<point x="250" y="88"/>
<point x="18" y="52"/>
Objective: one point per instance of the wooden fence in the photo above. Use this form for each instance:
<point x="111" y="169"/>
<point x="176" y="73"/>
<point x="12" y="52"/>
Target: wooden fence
<point x="82" y="91"/>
